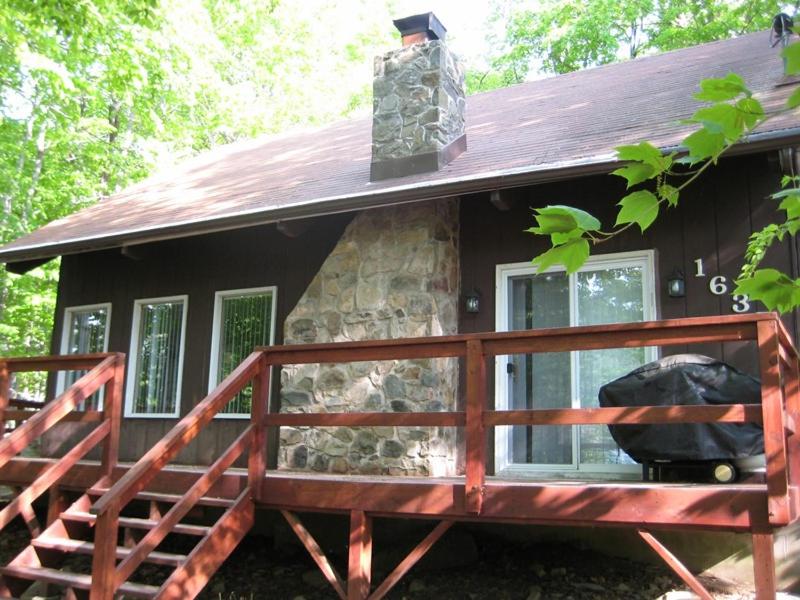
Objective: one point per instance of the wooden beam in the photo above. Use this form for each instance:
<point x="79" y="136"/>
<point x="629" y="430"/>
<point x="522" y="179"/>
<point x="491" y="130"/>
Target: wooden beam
<point x="61" y="362"/>
<point x="367" y="419"/>
<point x="735" y="507"/>
<point x="112" y="412"/>
<point x="359" y="570"/>
<point x="676" y="565"/>
<point x="501" y="201"/>
<point x="316" y="553"/>
<point x="257" y="457"/>
<point x="5" y="393"/>
<point x="475" y="431"/>
<point x="412" y="559"/>
<point x="293" y="229"/>
<point x="764" y="564"/>
<point x="774" y="427"/>
<point x="634" y="415"/>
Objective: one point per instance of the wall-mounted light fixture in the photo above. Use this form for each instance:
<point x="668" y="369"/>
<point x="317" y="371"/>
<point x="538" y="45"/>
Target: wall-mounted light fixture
<point x="676" y="284"/>
<point x="472" y="301"/>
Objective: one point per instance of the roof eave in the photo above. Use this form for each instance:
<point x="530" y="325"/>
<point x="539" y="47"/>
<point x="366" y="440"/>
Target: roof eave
<point x="521" y="176"/>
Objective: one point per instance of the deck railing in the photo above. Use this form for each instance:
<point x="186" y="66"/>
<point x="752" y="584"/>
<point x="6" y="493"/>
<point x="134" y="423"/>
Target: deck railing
<point x="105" y="370"/>
<point x="778" y="412"/>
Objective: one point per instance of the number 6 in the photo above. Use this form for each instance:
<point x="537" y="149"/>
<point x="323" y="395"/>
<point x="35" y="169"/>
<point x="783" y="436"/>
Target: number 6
<point x="718" y="285"/>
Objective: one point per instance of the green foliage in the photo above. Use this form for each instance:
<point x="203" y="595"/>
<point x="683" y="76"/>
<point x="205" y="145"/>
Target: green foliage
<point x="555" y="36"/>
<point x="731" y="114"/>
<point x="95" y="93"/>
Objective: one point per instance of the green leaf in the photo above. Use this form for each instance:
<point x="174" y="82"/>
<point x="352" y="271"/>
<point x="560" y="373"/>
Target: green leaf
<point x="572" y="255"/>
<point x="646" y="153"/>
<point x="703" y="144"/>
<point x="775" y="289"/>
<point x="669" y="193"/>
<point x="562" y="238"/>
<point x="792" y="55"/>
<point x="721" y="118"/>
<point x="640" y="207"/>
<point x="794" y="100"/>
<point x="791" y="204"/>
<point x="751" y="111"/>
<point x="636" y="172"/>
<point x="568" y="214"/>
<point x="727" y="88"/>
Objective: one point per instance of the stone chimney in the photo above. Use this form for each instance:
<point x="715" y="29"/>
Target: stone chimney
<point x="418" y="103"/>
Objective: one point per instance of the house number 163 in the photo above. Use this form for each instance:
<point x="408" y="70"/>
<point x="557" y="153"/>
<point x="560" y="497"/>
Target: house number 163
<point x="718" y="285"/>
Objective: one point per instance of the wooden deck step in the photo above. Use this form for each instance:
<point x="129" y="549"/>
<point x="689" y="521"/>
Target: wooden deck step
<point x="74" y="580"/>
<point x="168" y="498"/>
<point x="134" y="523"/>
<point x="83" y="547"/>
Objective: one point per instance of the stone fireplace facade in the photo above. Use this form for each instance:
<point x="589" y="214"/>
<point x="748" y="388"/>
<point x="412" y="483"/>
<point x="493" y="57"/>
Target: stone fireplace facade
<point x="393" y="274"/>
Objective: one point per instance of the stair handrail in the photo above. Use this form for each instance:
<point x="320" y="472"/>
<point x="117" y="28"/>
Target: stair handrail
<point x="147" y="467"/>
<point x="106" y="369"/>
<point x="107" y="576"/>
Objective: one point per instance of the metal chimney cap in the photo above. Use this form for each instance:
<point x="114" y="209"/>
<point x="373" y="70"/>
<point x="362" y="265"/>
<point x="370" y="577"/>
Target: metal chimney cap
<point x="426" y="23"/>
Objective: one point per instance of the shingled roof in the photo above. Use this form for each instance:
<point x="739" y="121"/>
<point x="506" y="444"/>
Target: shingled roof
<point x="543" y="130"/>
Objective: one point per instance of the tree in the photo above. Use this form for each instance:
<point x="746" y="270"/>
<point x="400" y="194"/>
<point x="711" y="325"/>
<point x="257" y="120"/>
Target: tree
<point x="95" y="94"/>
<point x="559" y="37"/>
<point x="655" y="182"/>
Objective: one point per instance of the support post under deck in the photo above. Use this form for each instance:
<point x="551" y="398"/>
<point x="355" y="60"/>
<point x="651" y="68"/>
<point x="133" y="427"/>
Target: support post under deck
<point x="359" y="572"/>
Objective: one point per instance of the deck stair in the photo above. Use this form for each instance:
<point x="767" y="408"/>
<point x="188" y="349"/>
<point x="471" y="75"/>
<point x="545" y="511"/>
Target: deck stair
<point x="49" y="558"/>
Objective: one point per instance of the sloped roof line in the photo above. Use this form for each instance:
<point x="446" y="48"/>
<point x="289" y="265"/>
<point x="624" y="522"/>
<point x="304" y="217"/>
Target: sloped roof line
<point x="538" y="131"/>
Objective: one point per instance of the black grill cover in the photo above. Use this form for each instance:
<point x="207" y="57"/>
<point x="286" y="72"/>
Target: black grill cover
<point x="680" y="380"/>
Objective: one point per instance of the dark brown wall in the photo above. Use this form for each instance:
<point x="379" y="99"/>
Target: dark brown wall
<point x="713" y="221"/>
<point x="199" y="267"/>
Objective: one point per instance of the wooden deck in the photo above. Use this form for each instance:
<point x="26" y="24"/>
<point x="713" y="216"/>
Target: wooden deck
<point x="756" y="508"/>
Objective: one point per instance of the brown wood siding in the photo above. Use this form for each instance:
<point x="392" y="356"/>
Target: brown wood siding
<point x="713" y="222"/>
<point x="198" y="267"/>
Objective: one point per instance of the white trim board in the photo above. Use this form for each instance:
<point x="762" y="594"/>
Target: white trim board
<point x="133" y="357"/>
<point x="644" y="258"/>
<point x="219" y="296"/>
<point x="65" y="329"/>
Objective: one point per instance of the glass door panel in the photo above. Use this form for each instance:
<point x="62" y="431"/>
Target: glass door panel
<point x="540" y="380"/>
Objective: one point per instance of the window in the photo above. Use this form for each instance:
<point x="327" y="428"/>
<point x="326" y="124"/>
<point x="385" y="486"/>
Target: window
<point x="613" y="288"/>
<point x="156" y="357"/>
<point x="85" y="331"/>
<point x="243" y="319"/>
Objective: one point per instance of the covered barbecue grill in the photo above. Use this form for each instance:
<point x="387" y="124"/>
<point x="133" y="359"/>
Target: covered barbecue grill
<point x="685" y="379"/>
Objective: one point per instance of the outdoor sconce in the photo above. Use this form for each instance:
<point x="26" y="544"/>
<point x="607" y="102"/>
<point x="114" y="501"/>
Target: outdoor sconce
<point x="676" y="285"/>
<point x="472" y="301"/>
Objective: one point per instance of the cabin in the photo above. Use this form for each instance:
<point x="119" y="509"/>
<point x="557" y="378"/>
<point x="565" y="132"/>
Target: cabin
<point x="346" y="320"/>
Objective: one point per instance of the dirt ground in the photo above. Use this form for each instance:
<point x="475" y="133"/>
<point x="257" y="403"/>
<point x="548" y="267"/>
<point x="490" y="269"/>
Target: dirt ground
<point x="469" y="565"/>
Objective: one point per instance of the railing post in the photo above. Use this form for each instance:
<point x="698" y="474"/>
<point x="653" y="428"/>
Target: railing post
<point x="104" y="559"/>
<point x="257" y="457"/>
<point x="475" y="434"/>
<point x="5" y="392"/>
<point x="792" y="391"/>
<point x="773" y="417"/>
<point x="112" y="411"/>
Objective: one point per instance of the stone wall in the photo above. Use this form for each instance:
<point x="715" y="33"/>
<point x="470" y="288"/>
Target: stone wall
<point x="418" y="101"/>
<point x="394" y="273"/>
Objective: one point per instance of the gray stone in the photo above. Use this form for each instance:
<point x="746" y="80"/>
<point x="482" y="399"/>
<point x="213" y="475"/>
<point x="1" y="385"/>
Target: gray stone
<point x="320" y="463"/>
<point x="393" y="387"/>
<point x="392" y="449"/>
<point x="331" y="380"/>
<point x="299" y="458"/>
<point x="304" y="330"/>
<point x="296" y="398"/>
<point x="366" y="442"/>
<point x="400" y="406"/>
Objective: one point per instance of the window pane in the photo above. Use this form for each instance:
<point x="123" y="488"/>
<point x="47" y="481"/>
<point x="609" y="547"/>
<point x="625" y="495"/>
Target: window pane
<point x="86" y="335"/>
<point x="607" y="296"/>
<point x="541" y="380"/>
<point x="245" y="323"/>
<point x="158" y="357"/>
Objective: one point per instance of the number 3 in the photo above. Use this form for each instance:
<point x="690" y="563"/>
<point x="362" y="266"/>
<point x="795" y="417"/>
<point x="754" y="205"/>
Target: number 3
<point x="741" y="303"/>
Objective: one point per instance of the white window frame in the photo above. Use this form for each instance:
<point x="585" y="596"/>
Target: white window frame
<point x="216" y="328"/>
<point x="133" y="357"/>
<point x="61" y="379"/>
<point x="503" y="464"/>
